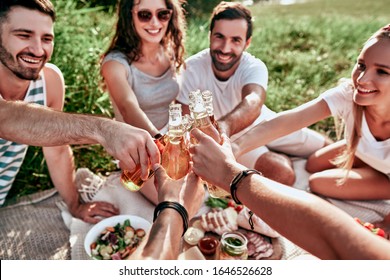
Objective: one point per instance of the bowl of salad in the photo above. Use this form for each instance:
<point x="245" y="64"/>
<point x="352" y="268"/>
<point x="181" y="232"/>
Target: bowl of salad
<point x="115" y="238"/>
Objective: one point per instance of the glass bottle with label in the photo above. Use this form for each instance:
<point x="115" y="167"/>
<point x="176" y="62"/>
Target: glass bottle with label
<point x="233" y="246"/>
<point x="202" y="119"/>
<point x="176" y="157"/>
<point x="203" y="122"/>
<point x="207" y="97"/>
<point x="132" y="180"/>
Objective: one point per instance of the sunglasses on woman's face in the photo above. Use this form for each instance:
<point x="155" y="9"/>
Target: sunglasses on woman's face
<point x="163" y="15"/>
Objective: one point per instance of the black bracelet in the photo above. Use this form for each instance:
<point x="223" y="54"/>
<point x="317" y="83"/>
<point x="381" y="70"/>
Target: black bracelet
<point x="233" y="189"/>
<point x="158" y="136"/>
<point x="237" y="179"/>
<point x="174" y="205"/>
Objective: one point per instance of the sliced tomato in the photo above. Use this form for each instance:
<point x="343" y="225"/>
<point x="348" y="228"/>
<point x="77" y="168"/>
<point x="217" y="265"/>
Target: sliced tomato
<point x="238" y="208"/>
<point x="231" y="203"/>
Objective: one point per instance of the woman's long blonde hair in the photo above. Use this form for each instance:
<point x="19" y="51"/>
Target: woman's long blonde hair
<point x="346" y="159"/>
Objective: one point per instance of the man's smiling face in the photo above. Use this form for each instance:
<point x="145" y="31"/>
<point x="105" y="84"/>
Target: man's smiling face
<point x="26" y="42"/>
<point x="227" y="43"/>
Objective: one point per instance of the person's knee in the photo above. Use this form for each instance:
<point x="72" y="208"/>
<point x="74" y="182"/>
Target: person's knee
<point x="277" y="167"/>
<point x="316" y="183"/>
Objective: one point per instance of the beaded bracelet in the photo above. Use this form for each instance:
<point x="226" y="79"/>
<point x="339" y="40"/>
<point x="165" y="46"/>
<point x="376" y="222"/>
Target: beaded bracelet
<point x="174" y="205"/>
<point x="233" y="189"/>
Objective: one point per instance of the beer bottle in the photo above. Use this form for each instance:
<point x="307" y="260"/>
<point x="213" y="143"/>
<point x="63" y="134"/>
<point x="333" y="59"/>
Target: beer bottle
<point x="176" y="157"/>
<point x="203" y="122"/>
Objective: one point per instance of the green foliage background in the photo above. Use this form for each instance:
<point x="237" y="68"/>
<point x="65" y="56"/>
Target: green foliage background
<point x="307" y="47"/>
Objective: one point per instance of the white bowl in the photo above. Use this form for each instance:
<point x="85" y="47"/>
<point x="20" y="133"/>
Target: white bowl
<point x="93" y="234"/>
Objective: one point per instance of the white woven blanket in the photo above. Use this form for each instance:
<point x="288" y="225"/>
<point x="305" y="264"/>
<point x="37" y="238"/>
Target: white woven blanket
<point x="135" y="204"/>
<point x="368" y="211"/>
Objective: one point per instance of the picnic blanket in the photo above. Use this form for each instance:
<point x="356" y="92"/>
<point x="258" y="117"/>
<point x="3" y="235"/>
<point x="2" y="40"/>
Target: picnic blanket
<point x="33" y="229"/>
<point x="367" y="210"/>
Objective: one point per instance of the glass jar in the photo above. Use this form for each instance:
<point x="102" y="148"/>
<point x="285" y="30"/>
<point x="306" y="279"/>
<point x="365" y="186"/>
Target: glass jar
<point x="233" y="246"/>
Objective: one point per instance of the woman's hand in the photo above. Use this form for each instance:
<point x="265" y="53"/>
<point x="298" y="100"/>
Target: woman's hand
<point x="385" y="225"/>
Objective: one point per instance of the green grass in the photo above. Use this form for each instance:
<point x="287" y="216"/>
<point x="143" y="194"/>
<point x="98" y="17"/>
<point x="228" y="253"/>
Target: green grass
<point x="306" y="47"/>
<point x="309" y="47"/>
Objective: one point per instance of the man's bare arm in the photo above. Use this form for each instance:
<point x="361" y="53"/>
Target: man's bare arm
<point x="246" y="112"/>
<point x="39" y="126"/>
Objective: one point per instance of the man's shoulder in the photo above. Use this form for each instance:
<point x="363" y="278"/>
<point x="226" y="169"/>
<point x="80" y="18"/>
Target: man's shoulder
<point x="55" y="84"/>
<point x="200" y="57"/>
<point x="52" y="70"/>
<point x="250" y="58"/>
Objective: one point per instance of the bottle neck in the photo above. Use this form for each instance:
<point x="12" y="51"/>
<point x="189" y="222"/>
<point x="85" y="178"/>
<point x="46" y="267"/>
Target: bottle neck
<point x="201" y="119"/>
<point x="175" y="134"/>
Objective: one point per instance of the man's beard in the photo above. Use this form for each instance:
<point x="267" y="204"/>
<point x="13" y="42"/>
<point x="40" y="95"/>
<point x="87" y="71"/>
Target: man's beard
<point x="21" y="72"/>
<point x="223" y="66"/>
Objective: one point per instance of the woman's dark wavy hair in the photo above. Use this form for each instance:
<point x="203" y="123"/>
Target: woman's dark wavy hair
<point x="127" y="41"/>
<point x="43" y="6"/>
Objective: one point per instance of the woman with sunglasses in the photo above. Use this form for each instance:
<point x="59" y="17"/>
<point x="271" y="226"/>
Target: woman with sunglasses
<point x="139" y="68"/>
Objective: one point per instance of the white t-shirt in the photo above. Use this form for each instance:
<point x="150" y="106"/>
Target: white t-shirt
<point x="226" y="94"/>
<point x="374" y="153"/>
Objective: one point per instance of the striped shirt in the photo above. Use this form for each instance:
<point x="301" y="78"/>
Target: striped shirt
<point x="12" y="154"/>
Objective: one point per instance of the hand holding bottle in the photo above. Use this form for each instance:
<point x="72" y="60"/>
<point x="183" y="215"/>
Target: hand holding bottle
<point x="133" y="180"/>
<point x="212" y="162"/>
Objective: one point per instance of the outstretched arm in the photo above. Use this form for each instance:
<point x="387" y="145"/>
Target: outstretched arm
<point x="282" y="124"/>
<point x="305" y="219"/>
<point x="115" y="78"/>
<point x="164" y="237"/>
<point x="39" y="126"/>
<point x="246" y="112"/>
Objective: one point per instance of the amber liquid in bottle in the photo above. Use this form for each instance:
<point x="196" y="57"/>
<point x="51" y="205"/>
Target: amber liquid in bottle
<point x="176" y="157"/>
<point x="132" y="180"/>
<point x="203" y="121"/>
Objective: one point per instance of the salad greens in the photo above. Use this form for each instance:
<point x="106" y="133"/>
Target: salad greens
<point x="216" y="202"/>
<point x="118" y="242"/>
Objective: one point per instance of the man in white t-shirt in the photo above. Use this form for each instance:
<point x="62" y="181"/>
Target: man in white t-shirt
<point x="238" y="81"/>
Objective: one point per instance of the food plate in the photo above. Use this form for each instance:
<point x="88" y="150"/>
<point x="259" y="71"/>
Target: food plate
<point x="275" y="242"/>
<point x="94" y="233"/>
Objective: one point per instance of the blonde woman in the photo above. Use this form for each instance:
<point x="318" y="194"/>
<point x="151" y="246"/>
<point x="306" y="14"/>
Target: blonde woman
<point x="358" y="167"/>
